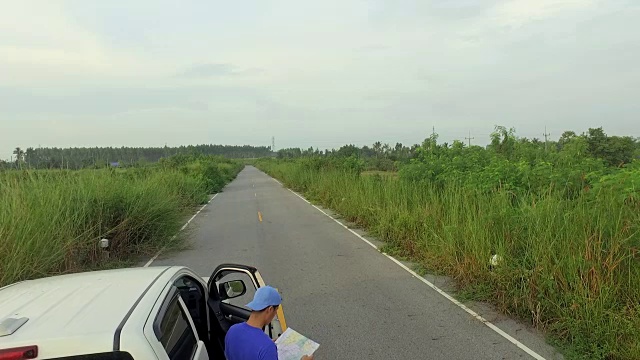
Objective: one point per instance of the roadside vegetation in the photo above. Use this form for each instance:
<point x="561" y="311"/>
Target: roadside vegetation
<point x="51" y="221"/>
<point x="562" y="217"/>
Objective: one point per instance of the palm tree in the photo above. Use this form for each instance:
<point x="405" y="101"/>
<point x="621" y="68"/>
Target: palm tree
<point x="30" y="156"/>
<point x="19" y="153"/>
<point x="377" y="148"/>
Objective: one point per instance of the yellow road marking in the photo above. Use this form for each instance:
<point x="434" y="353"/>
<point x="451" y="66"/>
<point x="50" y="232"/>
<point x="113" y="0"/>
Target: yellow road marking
<point x="260" y="216"/>
<point x="283" y="322"/>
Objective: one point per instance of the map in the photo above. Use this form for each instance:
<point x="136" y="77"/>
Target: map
<point x="293" y="346"/>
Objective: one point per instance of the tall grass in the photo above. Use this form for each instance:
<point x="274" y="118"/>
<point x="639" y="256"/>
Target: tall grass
<point x="570" y="267"/>
<point x="51" y="221"/>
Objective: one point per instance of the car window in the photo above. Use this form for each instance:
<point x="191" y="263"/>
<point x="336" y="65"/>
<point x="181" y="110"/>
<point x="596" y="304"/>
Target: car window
<point x="176" y="335"/>
<point x="242" y="300"/>
<point x="192" y="294"/>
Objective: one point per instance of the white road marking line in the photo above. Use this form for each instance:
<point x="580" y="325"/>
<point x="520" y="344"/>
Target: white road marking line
<point x="181" y="229"/>
<point x="341" y="224"/>
<point x="437" y="289"/>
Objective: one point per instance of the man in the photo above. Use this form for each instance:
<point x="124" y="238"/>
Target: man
<point x="247" y="341"/>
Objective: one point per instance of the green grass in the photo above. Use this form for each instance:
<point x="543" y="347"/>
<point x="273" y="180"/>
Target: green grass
<point x="385" y="174"/>
<point x="570" y="267"/>
<point x="51" y="220"/>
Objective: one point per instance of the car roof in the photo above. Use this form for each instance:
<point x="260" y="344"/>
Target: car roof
<point x="76" y="306"/>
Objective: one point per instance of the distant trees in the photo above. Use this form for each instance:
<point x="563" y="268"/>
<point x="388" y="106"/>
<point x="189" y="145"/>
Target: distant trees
<point x="503" y="141"/>
<point x="19" y="157"/>
<point x="76" y="158"/>
<point x="615" y="150"/>
<point x="377" y="148"/>
<point x="289" y="153"/>
<point x="19" y="153"/>
<point x="570" y="148"/>
<point x="379" y="156"/>
<point x="349" y="150"/>
<point x="566" y="137"/>
<point x="590" y="148"/>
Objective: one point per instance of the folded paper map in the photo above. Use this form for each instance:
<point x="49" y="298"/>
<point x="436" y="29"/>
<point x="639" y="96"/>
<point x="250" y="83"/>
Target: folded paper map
<point x="293" y="346"/>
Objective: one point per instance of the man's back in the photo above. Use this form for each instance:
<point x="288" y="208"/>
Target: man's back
<point x="245" y="342"/>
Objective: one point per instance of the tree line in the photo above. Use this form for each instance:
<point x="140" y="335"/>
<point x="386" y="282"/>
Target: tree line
<point x="614" y="151"/>
<point x="77" y="158"/>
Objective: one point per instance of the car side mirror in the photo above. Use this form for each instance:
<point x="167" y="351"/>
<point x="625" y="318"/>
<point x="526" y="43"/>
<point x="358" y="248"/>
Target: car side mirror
<point x="232" y="289"/>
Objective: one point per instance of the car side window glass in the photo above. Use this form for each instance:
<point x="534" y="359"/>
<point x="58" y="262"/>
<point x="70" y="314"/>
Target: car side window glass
<point x="193" y="297"/>
<point x="177" y="336"/>
<point x="242" y="300"/>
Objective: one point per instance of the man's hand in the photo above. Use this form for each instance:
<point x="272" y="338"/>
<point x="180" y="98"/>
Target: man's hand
<point x="307" y="357"/>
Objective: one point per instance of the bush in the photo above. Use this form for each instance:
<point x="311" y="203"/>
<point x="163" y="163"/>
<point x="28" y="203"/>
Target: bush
<point x="571" y="250"/>
<point x="51" y="220"/>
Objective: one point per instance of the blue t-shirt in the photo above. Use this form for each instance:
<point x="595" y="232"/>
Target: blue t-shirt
<point x="245" y="342"/>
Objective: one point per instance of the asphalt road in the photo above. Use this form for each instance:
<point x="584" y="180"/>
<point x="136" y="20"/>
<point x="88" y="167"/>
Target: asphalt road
<point x="339" y="291"/>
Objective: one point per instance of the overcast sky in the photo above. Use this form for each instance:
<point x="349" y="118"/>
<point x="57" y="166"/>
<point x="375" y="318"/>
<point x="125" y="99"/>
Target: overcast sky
<point x="321" y="73"/>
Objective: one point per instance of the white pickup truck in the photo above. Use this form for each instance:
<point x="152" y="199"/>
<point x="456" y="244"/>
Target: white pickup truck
<point x="134" y="313"/>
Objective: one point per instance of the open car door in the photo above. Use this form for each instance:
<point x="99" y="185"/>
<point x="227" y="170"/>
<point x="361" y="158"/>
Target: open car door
<point x="231" y="288"/>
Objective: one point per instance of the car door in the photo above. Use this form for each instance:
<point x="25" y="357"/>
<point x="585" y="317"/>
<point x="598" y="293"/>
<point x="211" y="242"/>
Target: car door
<point x="231" y="287"/>
<point x="175" y="331"/>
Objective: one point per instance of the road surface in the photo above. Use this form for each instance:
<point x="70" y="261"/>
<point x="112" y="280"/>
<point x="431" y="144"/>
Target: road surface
<point x="337" y="290"/>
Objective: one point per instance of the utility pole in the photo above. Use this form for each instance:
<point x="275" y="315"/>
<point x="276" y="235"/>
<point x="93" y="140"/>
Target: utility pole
<point x="469" y="138"/>
<point x="545" y="138"/>
<point x="273" y="144"/>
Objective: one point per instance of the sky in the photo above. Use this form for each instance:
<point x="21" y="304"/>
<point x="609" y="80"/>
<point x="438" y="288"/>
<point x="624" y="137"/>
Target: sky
<point x="79" y="73"/>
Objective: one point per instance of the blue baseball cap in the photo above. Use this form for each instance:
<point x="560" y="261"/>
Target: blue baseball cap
<point x="265" y="296"/>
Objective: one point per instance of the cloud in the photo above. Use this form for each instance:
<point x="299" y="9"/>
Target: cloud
<point x="41" y="45"/>
<point x="340" y="71"/>
<point x="521" y="12"/>
<point x="217" y="70"/>
<point x="209" y="70"/>
<point x="373" y="48"/>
